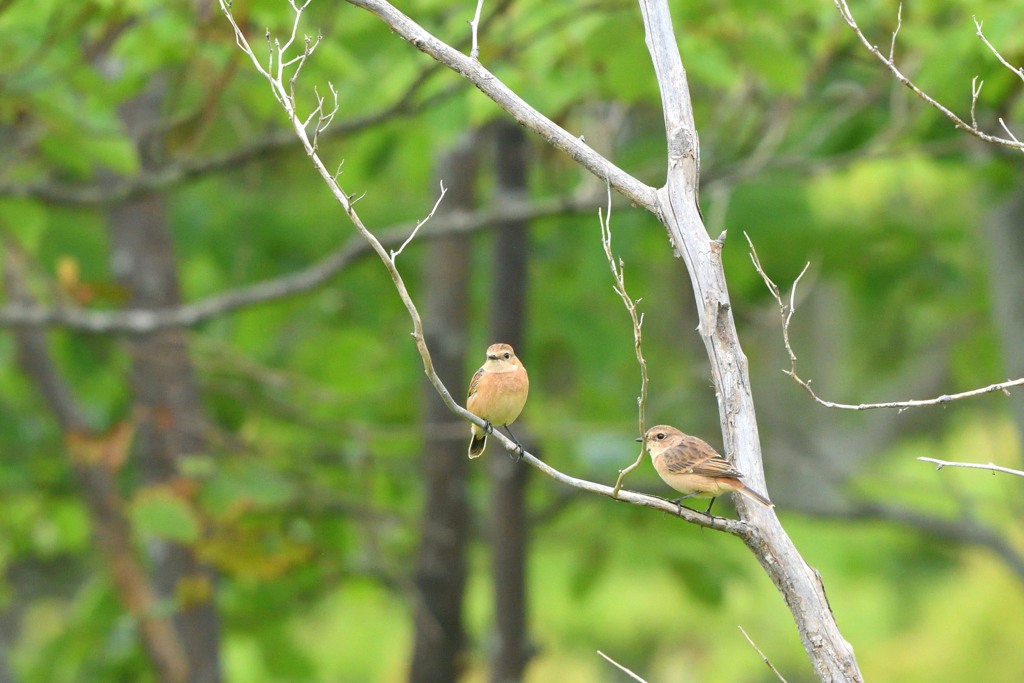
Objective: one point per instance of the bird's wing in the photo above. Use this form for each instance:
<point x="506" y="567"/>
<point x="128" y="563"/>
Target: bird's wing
<point x="475" y="382"/>
<point x="693" y="457"/>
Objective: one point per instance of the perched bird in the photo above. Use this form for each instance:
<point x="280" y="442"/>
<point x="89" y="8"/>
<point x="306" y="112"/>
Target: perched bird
<point x="497" y="395"/>
<point x="692" y="467"/>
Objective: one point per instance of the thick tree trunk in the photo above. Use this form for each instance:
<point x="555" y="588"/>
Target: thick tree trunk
<point x="440" y="577"/>
<point x="509" y="524"/>
<point x="170" y="419"/>
<point x="168" y="409"/>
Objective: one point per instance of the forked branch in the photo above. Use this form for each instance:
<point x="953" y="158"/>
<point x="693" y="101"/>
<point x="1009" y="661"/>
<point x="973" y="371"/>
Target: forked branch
<point x="786" y="310"/>
<point x="618" y="268"/>
<point x="1010" y="141"/>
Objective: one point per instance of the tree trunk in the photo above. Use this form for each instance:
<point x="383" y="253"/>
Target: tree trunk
<point x="512" y="649"/>
<point x="440" y="576"/>
<point x="1005" y="240"/>
<point x="96" y="477"/>
<point x="169" y="415"/>
<point x="800" y="585"/>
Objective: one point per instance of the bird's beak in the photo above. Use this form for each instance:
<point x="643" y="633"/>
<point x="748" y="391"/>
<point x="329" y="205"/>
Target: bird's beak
<point x="639" y="440"/>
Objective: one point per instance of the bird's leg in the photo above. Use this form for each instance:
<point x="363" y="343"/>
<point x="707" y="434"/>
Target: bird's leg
<point x="488" y="427"/>
<point x="708" y="511"/>
<point x="519" y="446"/>
<point x="679" y="501"/>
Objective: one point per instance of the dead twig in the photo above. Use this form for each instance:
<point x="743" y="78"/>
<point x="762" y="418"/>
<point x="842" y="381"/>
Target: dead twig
<point x="764" y="658"/>
<point x="621" y="668"/>
<point x="619" y="275"/>
<point x="786" y="310"/>
<point x="939" y="464"/>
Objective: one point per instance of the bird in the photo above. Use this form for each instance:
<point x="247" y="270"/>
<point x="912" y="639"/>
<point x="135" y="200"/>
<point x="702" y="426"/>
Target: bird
<point x="497" y="395"/>
<point x="692" y="467"/>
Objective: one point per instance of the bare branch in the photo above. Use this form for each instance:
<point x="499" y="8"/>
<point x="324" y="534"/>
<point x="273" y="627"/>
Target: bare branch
<point x="939" y="464"/>
<point x="140" y="321"/>
<point x="892" y="50"/>
<point x="621" y="668"/>
<point x="1016" y="71"/>
<point x="394" y="254"/>
<point x="763" y="656"/>
<point x="100" y="194"/>
<point x="976" y="86"/>
<point x="512" y="103"/>
<point x="786" y="311"/>
<point x="847" y="16"/>
<point x="619" y="275"/>
<point x="474" y="26"/>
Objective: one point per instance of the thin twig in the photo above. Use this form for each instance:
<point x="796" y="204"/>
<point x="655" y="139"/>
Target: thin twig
<point x="621" y="668"/>
<point x="786" y="311"/>
<point x="619" y="275"/>
<point x="1017" y="71"/>
<point x="847" y="16"/>
<point x="475" y="26"/>
<point x="763" y="657"/>
<point x="421" y="223"/>
<point x="892" y="50"/>
<point x="939" y="464"/>
<point x="976" y="86"/>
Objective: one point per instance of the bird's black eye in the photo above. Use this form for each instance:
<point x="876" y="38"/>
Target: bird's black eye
<point x="507" y="355"/>
<point x="661" y="435"/>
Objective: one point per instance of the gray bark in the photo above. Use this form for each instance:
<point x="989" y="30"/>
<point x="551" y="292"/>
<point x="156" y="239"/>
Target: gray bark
<point x="800" y="585"/>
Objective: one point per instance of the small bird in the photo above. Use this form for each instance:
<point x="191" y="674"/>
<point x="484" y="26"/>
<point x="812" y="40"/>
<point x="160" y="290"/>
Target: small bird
<point x="691" y="466"/>
<point x="497" y="395"/>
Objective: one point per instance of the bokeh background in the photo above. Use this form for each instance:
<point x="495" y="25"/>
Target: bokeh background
<point x="275" y="481"/>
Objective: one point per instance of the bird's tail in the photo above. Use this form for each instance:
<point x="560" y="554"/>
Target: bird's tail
<point x="477" y="444"/>
<point x="753" y="495"/>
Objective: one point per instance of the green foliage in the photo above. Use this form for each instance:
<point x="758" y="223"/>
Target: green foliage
<point x="309" y="498"/>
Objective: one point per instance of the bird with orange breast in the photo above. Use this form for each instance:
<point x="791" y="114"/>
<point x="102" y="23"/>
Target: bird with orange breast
<point x="497" y="395"/>
<point x="692" y="467"/>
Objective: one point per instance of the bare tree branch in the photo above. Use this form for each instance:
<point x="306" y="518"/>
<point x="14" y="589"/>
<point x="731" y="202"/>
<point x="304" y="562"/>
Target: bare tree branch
<point x="621" y="668"/>
<point x="830" y="654"/>
<point x="1016" y="71"/>
<point x="420" y="223"/>
<point x="971" y="128"/>
<point x="474" y="25"/>
<point x="173" y="174"/>
<point x="139" y="321"/>
<point x="489" y="85"/>
<point x="282" y="141"/>
<point x="939" y="464"/>
<point x="764" y="657"/>
<point x="786" y="311"/>
<point x="619" y="276"/>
